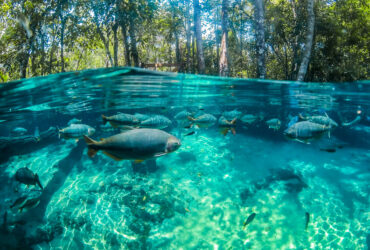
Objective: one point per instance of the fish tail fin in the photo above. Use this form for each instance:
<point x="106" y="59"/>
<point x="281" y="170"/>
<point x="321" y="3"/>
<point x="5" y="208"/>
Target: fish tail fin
<point x="233" y="131"/>
<point x="104" y="119"/>
<point x="38" y="181"/>
<point x="91" y="151"/>
<point x="114" y="125"/>
<point x="233" y="122"/>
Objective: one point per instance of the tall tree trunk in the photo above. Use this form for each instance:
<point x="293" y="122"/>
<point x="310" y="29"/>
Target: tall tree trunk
<point x="134" y="53"/>
<point x="260" y="34"/>
<point x="224" y="61"/>
<point x="126" y="44"/>
<point x="193" y="54"/>
<point x="42" y="60"/>
<point x="63" y="21"/>
<point x="178" y="53"/>
<point x="294" y="67"/>
<point x="198" y="35"/>
<point x="309" y="39"/>
<point x="106" y="44"/>
<point x="188" y="36"/>
<point x="217" y="42"/>
<point x="115" y="44"/>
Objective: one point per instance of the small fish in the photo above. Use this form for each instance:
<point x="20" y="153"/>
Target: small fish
<point x="19" y="131"/>
<point x="307" y="220"/>
<point x="157" y="121"/>
<point x="249" y="220"/>
<point x="188" y="126"/>
<point x="74" y="121"/>
<point x="120" y="119"/>
<point x="31" y="203"/>
<point x="76" y="131"/>
<point x="190" y="133"/>
<point x="19" y="201"/>
<point x="356" y="120"/>
<point x="26" y="176"/>
<point x="248" y="118"/>
<point x="330" y="150"/>
<point x="274" y="123"/>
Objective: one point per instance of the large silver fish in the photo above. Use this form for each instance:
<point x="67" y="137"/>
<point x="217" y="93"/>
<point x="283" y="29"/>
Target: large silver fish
<point x="135" y="144"/>
<point x="305" y="130"/>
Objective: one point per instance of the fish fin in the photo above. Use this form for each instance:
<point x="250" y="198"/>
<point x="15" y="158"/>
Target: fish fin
<point x="224" y="131"/>
<point x="112" y="156"/>
<point x="233" y="122"/>
<point x="38" y="181"/>
<point x="191" y="118"/>
<point x="233" y="131"/>
<point x="76" y="140"/>
<point x="20" y="210"/>
<point x="89" y="141"/>
<point x="104" y="119"/>
<point x="138" y="161"/>
<point x="113" y="124"/>
<point x="91" y="152"/>
<point x="101" y="139"/>
<point x="160" y="154"/>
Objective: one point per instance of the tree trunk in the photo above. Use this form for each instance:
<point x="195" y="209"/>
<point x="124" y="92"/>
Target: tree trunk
<point x="294" y="66"/>
<point x="198" y="35"/>
<point x="193" y="54"/>
<point x="134" y="53"/>
<point x="126" y="45"/>
<point x="106" y="44"/>
<point x="63" y="21"/>
<point x="115" y="44"/>
<point x="224" y="62"/>
<point x="188" y="36"/>
<point x="260" y="35"/>
<point x="309" y="39"/>
<point x="178" y="54"/>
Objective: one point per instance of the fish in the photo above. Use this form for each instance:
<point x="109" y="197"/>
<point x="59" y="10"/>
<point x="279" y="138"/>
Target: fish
<point x="26" y="176"/>
<point x="121" y="119"/>
<point x="136" y="144"/>
<point x="76" y="131"/>
<point x="74" y="121"/>
<point x="31" y="203"/>
<point x="329" y="150"/>
<point x="190" y="133"/>
<point x="248" y="118"/>
<point x="274" y="123"/>
<point x="249" y="220"/>
<point x="157" y="121"/>
<point x="305" y="130"/>
<point x="183" y="115"/>
<point x="19" y="131"/>
<point x="19" y="202"/>
<point x="141" y="117"/>
<point x="231" y="115"/>
<point x="205" y="120"/>
<point x="322" y="120"/>
<point x="356" y="120"/>
<point x="307" y="220"/>
<point x="223" y="122"/>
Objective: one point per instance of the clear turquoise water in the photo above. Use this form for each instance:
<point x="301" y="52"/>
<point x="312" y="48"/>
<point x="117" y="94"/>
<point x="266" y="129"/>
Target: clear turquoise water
<point x="199" y="196"/>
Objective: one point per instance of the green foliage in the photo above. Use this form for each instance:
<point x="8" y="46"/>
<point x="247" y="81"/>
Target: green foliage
<point x="340" y="50"/>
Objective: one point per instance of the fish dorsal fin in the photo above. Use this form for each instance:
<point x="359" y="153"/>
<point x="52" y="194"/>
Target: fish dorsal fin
<point x="101" y="139"/>
<point x="112" y="156"/>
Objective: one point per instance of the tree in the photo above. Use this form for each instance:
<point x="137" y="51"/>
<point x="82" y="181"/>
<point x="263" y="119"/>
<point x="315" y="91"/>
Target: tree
<point x="260" y="38"/>
<point x="309" y="39"/>
<point x="198" y="37"/>
<point x="224" y="61"/>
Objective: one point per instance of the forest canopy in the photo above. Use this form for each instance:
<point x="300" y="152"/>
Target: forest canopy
<point x="310" y="40"/>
